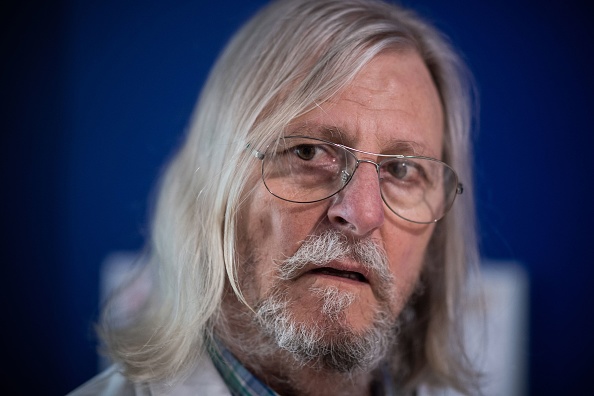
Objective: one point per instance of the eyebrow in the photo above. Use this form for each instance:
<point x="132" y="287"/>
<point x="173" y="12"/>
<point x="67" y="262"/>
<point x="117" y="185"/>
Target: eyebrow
<point x="326" y="132"/>
<point x="335" y="134"/>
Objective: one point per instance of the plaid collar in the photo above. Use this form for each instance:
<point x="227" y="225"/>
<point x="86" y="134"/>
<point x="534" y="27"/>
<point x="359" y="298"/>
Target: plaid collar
<point x="243" y="383"/>
<point x="238" y="379"/>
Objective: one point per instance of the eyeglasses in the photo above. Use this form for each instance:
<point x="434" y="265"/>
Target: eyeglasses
<point x="303" y="169"/>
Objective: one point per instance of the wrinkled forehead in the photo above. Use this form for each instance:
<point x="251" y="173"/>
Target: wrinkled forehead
<point x="332" y="133"/>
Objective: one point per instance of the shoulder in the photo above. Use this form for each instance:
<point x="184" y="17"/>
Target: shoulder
<point x="109" y="382"/>
<point x="204" y="380"/>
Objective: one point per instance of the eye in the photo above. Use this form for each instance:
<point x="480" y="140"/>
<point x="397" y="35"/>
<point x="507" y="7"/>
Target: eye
<point x="305" y="151"/>
<point x="402" y="170"/>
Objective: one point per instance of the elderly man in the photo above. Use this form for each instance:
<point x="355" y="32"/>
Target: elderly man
<point x="306" y="240"/>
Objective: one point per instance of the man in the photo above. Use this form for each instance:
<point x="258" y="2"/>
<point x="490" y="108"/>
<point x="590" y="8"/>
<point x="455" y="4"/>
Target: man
<point x="306" y="240"/>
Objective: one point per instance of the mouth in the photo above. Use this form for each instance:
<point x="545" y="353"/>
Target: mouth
<point x="338" y="273"/>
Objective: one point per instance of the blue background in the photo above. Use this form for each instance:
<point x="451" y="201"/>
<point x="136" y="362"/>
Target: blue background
<point x="96" y="95"/>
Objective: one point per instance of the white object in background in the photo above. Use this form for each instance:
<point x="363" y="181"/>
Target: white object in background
<point x="499" y="345"/>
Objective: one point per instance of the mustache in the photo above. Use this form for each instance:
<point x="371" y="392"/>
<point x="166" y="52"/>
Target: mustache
<point x="332" y="245"/>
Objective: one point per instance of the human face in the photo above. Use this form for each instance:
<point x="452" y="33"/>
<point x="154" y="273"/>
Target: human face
<point x="391" y="107"/>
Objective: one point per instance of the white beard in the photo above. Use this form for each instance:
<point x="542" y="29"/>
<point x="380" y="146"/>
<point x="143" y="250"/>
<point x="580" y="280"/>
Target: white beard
<point x="329" y="343"/>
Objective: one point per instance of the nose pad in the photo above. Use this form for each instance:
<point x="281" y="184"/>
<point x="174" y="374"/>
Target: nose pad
<point x="358" y="209"/>
<point x="344" y="177"/>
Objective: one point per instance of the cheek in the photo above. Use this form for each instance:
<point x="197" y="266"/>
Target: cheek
<point x="270" y="229"/>
<point x="254" y="233"/>
<point x="406" y="255"/>
<point x="267" y="229"/>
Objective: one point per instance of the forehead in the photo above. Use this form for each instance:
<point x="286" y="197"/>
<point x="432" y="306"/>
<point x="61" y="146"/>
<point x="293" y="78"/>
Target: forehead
<point x="391" y="103"/>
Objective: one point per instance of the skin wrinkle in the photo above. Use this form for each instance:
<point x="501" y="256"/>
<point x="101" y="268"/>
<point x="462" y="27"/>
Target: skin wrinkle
<point x="336" y="134"/>
<point x="328" y="132"/>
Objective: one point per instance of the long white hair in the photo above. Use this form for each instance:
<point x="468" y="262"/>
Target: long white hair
<point x="290" y="56"/>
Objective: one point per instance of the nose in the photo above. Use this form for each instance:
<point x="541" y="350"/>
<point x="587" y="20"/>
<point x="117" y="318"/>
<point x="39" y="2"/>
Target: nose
<point x="359" y="209"/>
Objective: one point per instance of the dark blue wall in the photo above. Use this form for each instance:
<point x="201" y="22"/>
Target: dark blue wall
<point x="96" y="97"/>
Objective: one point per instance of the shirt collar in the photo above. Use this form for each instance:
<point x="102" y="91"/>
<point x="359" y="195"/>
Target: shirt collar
<point x="238" y="379"/>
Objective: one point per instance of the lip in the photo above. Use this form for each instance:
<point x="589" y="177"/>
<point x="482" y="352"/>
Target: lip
<point x="347" y="267"/>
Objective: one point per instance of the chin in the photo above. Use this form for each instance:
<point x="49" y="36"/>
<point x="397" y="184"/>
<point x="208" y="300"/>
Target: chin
<point x="318" y="334"/>
<point x="356" y="318"/>
<point x="335" y="306"/>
